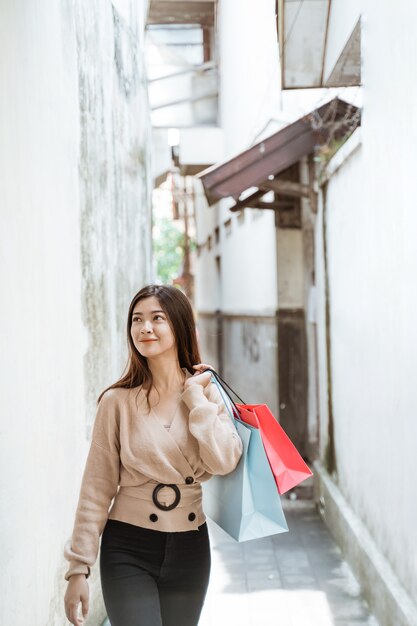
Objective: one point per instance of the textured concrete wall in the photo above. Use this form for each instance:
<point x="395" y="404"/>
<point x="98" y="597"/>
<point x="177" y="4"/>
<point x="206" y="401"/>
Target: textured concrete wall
<point x="384" y="592"/>
<point x="207" y="329"/>
<point x="115" y="183"/>
<point x="372" y="262"/>
<point x="75" y="247"/>
<point x="250" y="359"/>
<point x="249" y="354"/>
<point x="373" y="342"/>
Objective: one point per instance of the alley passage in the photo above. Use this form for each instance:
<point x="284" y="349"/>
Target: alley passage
<point x="297" y="578"/>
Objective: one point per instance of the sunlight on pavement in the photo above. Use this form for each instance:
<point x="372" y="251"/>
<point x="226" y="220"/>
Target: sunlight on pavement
<point x="280" y="607"/>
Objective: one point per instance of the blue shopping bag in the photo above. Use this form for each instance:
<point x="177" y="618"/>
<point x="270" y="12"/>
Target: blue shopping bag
<point x="246" y="502"/>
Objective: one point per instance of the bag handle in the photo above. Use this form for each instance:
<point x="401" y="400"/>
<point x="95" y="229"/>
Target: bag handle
<point x="222" y="383"/>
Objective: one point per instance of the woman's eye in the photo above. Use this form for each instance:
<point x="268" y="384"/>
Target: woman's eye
<point x="136" y="319"/>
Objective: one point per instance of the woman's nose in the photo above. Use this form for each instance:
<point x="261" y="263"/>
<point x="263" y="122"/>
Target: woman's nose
<point x="147" y="326"/>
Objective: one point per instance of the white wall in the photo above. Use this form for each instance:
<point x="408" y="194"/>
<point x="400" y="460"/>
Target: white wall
<point x="248" y="261"/>
<point x="42" y="370"/>
<point x="290" y="268"/>
<point x="249" y="70"/>
<point x="248" y="258"/>
<point x="201" y="145"/>
<point x="249" y="97"/>
<point x="55" y="247"/>
<point x="372" y="225"/>
<point x="161" y="152"/>
<point x="115" y="182"/>
<point x="206" y="294"/>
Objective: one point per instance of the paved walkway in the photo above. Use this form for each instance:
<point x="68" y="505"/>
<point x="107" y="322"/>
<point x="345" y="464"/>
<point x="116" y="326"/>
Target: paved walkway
<point x="298" y="578"/>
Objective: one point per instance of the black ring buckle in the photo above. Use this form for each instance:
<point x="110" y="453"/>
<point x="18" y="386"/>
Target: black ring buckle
<point x="166" y="507"/>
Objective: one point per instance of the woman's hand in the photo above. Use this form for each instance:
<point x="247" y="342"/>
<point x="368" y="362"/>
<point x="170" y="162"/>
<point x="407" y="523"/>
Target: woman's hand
<point x="77" y="591"/>
<point x="200" y="377"/>
<point x="201" y="367"/>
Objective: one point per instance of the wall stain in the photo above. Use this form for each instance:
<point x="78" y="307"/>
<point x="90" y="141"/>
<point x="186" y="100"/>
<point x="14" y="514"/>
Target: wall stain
<point x="115" y="185"/>
<point x="250" y="341"/>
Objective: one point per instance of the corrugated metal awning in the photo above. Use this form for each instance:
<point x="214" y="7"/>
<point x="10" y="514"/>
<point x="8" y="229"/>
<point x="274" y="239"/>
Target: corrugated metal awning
<point x="260" y="164"/>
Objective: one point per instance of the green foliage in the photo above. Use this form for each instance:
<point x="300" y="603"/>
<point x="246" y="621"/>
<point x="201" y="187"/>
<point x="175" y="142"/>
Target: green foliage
<point x="168" y="249"/>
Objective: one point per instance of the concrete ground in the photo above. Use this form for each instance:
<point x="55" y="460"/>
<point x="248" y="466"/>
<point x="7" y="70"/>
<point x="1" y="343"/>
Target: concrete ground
<point x="298" y="578"/>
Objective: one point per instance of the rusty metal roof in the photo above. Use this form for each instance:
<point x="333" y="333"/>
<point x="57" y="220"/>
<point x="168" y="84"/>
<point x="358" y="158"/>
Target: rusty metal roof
<point x="273" y="155"/>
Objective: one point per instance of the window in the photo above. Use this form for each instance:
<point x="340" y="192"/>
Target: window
<point x="228" y="227"/>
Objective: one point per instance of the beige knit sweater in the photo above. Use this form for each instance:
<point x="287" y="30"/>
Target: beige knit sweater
<point x="131" y="452"/>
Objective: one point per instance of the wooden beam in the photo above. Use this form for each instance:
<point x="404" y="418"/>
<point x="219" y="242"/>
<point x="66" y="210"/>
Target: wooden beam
<point x="259" y="204"/>
<point x="273" y="205"/>
<point x="286" y="187"/>
<point x="241" y="204"/>
<point x="311" y="181"/>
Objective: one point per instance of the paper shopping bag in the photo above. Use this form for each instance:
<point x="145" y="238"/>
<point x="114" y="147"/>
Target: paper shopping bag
<point x="245" y="503"/>
<point x="288" y="466"/>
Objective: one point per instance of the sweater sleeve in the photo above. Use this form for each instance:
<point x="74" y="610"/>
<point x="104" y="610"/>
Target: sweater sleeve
<point x="209" y="422"/>
<point x="98" y="487"/>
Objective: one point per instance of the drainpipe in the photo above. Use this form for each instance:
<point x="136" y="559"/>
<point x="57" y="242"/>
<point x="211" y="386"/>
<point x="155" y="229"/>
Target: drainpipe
<point x="330" y="452"/>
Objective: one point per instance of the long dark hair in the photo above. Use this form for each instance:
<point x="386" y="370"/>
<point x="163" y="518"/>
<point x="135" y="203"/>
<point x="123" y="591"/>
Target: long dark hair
<point x="180" y="316"/>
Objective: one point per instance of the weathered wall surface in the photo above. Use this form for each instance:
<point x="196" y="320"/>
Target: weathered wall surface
<point x="372" y="263"/>
<point x="250" y="358"/>
<point x="373" y="343"/>
<point x="115" y="182"/>
<point x="75" y="247"/>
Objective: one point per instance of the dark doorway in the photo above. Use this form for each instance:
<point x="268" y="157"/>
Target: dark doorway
<point x="292" y="376"/>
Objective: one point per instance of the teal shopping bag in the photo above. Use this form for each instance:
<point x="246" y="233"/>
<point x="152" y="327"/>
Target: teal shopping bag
<point x="246" y="502"/>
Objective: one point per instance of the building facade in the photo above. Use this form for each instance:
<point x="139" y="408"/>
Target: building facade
<point x="364" y="305"/>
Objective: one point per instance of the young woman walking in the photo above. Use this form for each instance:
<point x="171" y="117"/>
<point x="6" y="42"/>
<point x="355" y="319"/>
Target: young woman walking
<point x="159" y="432"/>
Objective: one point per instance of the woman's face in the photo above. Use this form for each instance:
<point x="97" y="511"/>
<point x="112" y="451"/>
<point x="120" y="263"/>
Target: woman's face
<point x="150" y="330"/>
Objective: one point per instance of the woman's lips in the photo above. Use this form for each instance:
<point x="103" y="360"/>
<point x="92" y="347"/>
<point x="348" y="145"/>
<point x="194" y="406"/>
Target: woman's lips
<point x="147" y="340"/>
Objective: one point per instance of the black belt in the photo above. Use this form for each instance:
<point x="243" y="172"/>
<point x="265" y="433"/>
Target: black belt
<point x="166" y="507"/>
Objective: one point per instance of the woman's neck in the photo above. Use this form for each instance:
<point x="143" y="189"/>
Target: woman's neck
<point x="168" y="377"/>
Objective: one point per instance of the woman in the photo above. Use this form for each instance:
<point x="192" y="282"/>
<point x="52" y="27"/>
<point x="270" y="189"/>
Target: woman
<point x="159" y="432"/>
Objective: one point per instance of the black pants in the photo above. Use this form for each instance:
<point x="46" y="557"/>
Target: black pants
<point x="153" y="578"/>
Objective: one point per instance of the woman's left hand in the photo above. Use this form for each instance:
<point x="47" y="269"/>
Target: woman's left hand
<point x="201" y="377"/>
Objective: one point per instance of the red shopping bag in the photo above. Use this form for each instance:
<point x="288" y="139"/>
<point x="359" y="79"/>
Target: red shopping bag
<point x="287" y="464"/>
